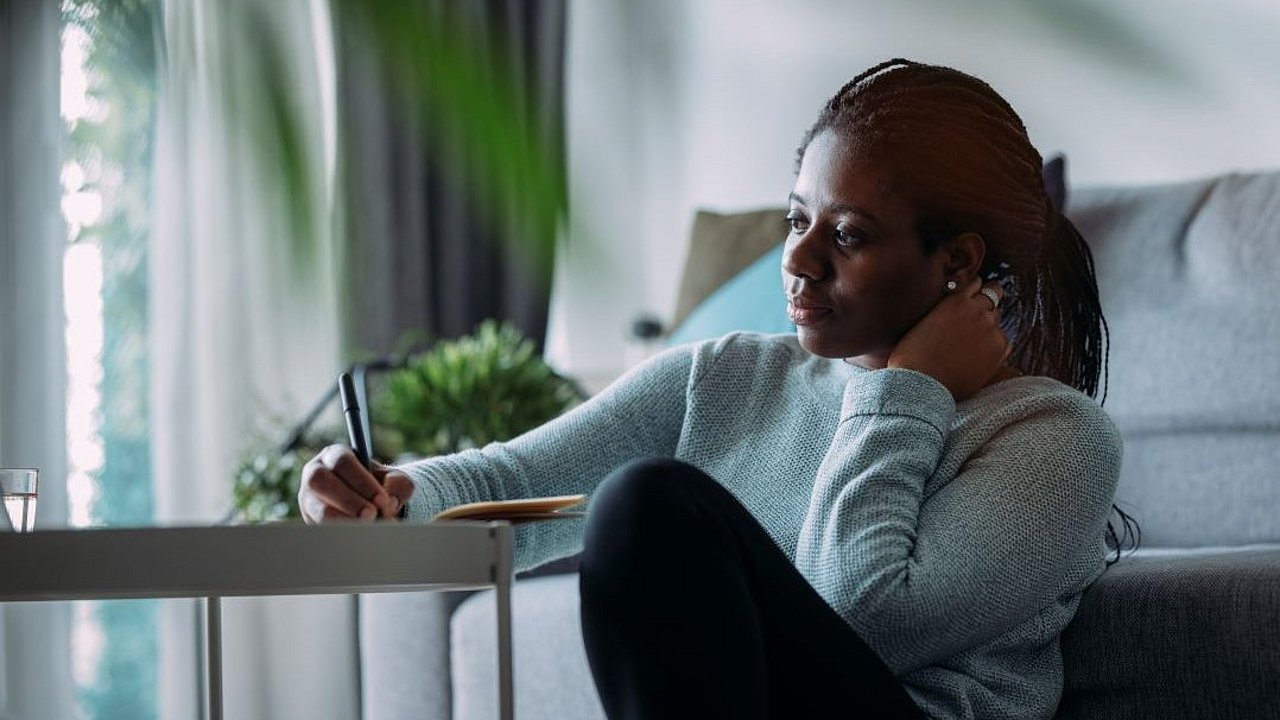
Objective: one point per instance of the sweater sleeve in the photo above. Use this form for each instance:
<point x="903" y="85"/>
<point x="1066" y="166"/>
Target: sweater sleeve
<point x="639" y="415"/>
<point x="923" y="579"/>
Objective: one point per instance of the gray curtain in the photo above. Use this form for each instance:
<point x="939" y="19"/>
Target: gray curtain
<point x="426" y="249"/>
<point x="35" y="648"/>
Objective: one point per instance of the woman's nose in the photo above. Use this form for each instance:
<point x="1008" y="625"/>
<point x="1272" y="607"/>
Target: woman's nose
<point x="802" y="258"/>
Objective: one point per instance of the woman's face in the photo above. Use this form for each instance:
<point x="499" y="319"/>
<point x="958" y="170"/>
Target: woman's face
<point x="854" y="269"/>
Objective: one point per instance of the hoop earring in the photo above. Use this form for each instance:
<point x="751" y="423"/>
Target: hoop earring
<point x="951" y="286"/>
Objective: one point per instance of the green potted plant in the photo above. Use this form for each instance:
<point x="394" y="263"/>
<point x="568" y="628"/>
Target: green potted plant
<point x="486" y="387"/>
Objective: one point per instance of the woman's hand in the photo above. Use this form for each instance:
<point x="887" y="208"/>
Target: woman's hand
<point x="959" y="342"/>
<point x="335" y="486"/>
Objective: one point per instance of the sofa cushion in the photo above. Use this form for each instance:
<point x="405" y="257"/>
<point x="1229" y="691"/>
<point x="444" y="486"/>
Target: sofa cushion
<point x="404" y="655"/>
<point x="753" y="299"/>
<point x="1188" y="275"/>
<point x="552" y="679"/>
<point x="720" y="247"/>
<point x="1187" y="633"/>
<point x="1054" y="174"/>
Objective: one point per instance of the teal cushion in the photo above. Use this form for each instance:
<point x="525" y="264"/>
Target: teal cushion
<point x="752" y="300"/>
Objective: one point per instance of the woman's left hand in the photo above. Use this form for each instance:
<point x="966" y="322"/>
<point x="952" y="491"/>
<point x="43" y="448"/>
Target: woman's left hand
<point x="959" y="342"/>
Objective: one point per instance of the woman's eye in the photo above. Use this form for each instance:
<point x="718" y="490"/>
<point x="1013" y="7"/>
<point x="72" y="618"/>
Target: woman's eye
<point x="796" y="223"/>
<point x="846" y="236"/>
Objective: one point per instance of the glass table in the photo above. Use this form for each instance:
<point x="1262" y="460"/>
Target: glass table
<point x="249" y="560"/>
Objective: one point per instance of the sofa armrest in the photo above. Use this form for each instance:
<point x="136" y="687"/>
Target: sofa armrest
<point x="404" y="655"/>
<point x="1185" y="633"/>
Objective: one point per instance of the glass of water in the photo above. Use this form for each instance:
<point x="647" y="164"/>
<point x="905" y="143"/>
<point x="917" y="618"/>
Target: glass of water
<point x="18" y="487"/>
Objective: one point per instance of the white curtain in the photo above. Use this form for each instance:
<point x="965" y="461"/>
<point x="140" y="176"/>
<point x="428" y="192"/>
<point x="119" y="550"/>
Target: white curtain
<point x="35" y="679"/>
<point x="243" y="329"/>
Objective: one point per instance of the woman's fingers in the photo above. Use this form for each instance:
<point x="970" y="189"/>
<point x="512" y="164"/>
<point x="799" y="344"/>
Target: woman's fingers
<point x="960" y="342"/>
<point x="344" y="463"/>
<point x="990" y="293"/>
<point x="315" y="509"/>
<point x="399" y="487"/>
<point x="311" y="507"/>
<point x="330" y="514"/>
<point x="335" y="486"/>
<point x="324" y="485"/>
<point x="341" y="460"/>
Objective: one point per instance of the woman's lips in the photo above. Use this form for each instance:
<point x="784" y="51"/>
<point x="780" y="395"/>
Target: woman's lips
<point x="802" y="313"/>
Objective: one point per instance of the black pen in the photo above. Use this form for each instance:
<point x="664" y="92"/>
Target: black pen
<point x="355" y="423"/>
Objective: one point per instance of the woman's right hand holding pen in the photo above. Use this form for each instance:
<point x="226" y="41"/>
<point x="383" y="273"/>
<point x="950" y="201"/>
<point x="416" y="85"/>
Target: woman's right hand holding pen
<point x="335" y="486"/>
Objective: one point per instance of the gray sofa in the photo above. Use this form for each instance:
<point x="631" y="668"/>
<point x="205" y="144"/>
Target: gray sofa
<point x="1188" y="627"/>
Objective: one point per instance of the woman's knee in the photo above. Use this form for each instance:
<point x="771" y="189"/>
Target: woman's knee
<point x="644" y="483"/>
<point x="640" y="506"/>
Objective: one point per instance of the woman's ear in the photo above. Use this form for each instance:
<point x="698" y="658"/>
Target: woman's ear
<point x="962" y="256"/>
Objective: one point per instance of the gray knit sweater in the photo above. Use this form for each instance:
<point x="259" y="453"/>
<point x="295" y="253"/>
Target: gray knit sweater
<point x="955" y="538"/>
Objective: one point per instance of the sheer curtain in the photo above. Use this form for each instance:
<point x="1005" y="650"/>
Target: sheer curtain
<point x="244" y="319"/>
<point x="35" y="680"/>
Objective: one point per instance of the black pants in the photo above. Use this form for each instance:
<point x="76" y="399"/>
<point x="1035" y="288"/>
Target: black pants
<point x="689" y="610"/>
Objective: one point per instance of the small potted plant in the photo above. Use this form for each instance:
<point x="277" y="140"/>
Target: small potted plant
<point x="486" y="387"/>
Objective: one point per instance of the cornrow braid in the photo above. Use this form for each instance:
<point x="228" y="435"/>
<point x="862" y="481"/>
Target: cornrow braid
<point x="1072" y="329"/>
<point x="963" y="157"/>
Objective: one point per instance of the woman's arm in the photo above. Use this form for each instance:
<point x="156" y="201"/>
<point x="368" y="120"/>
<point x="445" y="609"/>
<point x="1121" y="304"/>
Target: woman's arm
<point x="640" y="415"/>
<point x="993" y="547"/>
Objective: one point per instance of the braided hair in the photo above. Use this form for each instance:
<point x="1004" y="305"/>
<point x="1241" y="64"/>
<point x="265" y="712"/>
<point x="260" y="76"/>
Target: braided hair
<point x="963" y="158"/>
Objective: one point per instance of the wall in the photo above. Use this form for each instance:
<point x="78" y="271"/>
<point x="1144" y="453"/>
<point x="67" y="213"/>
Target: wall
<point x="679" y="104"/>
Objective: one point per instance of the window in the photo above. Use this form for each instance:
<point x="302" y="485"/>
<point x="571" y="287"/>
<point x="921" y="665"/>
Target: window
<point x="108" y="90"/>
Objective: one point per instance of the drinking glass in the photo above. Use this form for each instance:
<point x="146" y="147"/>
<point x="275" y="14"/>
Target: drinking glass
<point x="18" y="487"/>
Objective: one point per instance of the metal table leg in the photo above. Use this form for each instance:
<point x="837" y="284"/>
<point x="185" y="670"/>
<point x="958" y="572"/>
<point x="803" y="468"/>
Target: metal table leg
<point x="503" y="577"/>
<point x="506" y="687"/>
<point x="213" y="657"/>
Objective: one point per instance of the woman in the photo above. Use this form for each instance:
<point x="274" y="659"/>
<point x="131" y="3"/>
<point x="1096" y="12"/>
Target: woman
<point x="892" y="513"/>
